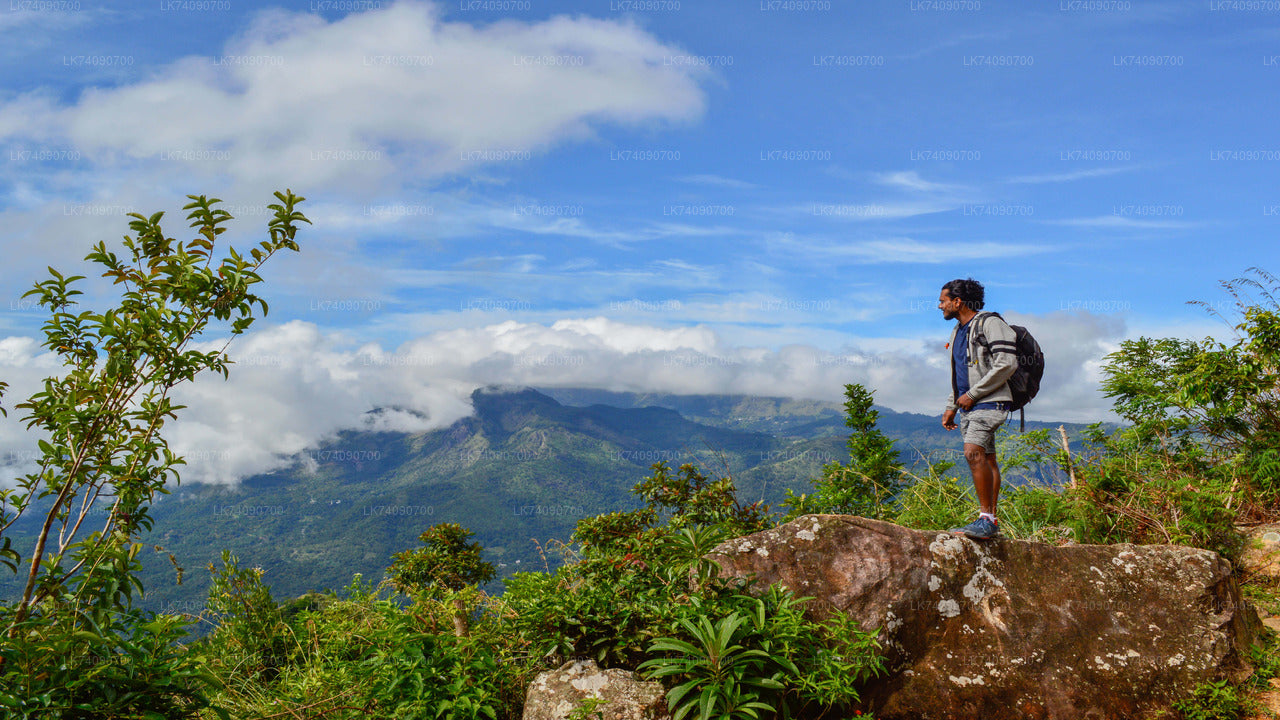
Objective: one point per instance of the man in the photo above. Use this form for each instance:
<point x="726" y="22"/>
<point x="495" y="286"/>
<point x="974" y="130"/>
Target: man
<point x="983" y="357"/>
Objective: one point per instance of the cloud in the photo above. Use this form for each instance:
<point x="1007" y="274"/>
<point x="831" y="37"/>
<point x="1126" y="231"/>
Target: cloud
<point x="1070" y="176"/>
<point x="29" y="25"/>
<point x="911" y="180"/>
<point x="872" y="211"/>
<point x="1122" y="222"/>
<point x="295" y="385"/>
<point x="718" y="181"/>
<point x="357" y="102"/>
<point x="909" y="250"/>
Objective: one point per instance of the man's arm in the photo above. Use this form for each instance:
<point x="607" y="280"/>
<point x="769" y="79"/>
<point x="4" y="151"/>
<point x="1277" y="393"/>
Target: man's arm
<point x="1003" y="343"/>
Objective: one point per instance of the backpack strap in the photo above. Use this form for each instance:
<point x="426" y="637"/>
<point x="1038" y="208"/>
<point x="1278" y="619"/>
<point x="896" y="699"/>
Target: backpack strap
<point x="981" y="337"/>
<point x="978" y="335"/>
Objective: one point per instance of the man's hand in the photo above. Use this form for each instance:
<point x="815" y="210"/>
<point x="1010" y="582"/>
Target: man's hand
<point x="965" y="402"/>
<point x="949" y="419"/>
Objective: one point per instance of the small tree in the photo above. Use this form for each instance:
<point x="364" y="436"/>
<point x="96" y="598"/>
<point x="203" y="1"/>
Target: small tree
<point x="869" y="481"/>
<point x="444" y="566"/>
<point x="102" y="444"/>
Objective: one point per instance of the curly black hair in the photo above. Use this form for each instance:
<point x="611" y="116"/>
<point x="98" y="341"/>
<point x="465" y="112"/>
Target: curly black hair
<point x="968" y="290"/>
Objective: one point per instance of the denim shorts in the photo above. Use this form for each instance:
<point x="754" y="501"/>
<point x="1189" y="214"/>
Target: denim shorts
<point x="978" y="427"/>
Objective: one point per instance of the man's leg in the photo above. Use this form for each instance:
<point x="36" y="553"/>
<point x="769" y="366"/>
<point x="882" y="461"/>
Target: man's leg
<point x="986" y="476"/>
<point x="979" y="428"/>
<point x="995" y="481"/>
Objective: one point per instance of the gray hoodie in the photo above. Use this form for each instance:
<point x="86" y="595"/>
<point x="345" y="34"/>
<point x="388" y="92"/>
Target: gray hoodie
<point x="990" y="365"/>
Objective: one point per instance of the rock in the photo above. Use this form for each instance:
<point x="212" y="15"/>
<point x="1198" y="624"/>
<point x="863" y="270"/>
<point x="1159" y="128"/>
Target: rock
<point x="1008" y="628"/>
<point x="554" y="694"/>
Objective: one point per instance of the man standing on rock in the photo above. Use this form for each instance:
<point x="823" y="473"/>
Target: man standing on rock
<point x="983" y="357"/>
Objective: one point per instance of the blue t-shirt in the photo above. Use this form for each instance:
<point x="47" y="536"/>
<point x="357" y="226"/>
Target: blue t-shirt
<point x="960" y="359"/>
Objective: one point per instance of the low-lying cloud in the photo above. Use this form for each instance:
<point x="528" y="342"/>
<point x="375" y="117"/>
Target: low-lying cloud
<point x="294" y="385"/>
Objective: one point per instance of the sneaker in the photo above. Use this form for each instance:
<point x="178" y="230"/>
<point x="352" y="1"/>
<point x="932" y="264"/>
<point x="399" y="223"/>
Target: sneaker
<point x="980" y="529"/>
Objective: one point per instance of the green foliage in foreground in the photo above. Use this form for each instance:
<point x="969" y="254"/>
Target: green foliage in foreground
<point x="74" y="645"/>
<point x="636" y="589"/>
<point x="1216" y="700"/>
<point x="365" y="655"/>
<point x="763" y="655"/>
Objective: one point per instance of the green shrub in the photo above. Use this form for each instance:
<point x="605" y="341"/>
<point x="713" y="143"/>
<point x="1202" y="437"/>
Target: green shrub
<point x="734" y="655"/>
<point x="250" y="634"/>
<point x="74" y="656"/>
<point x="1213" y="701"/>
<point x="628" y="576"/>
<point x="371" y="656"/>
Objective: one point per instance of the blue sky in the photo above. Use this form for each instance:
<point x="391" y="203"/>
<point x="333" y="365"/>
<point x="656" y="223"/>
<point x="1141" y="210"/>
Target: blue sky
<point x="685" y="196"/>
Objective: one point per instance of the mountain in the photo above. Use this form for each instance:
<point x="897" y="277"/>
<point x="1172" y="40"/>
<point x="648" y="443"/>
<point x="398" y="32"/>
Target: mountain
<point x="519" y="472"/>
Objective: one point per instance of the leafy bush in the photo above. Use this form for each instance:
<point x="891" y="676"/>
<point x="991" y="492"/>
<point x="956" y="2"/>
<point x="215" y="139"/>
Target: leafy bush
<point x="623" y="584"/>
<point x="723" y="679"/>
<point x="369" y="655"/>
<point x="638" y="585"/>
<point x="88" y="653"/>
<point x="446" y="566"/>
<point x="251" y="634"/>
<point x="736" y="655"/>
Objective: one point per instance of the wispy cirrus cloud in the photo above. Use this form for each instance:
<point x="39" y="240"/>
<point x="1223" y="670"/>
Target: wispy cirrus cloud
<point x="909" y="250"/>
<point x="911" y="180"/>
<point x="717" y="181"/>
<point x="872" y="211"/>
<point x="1123" y="222"/>
<point x="1071" y="176"/>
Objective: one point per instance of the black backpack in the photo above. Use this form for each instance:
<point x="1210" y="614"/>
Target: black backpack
<point x="1025" y="381"/>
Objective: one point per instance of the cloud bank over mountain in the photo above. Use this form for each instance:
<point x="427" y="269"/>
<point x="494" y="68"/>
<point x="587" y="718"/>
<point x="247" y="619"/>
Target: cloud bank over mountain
<point x="294" y="384"/>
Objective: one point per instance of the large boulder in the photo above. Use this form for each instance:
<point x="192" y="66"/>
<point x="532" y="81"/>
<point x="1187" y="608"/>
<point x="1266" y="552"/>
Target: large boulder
<point x="618" y="694"/>
<point x="1008" y="628"/>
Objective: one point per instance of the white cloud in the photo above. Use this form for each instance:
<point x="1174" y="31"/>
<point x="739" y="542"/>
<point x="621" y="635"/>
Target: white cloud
<point x="910" y="250"/>
<point x="872" y="211"/>
<point x="31" y="25"/>
<point x="353" y="103"/>
<point x="1122" y="222"/>
<point x="911" y="180"/>
<point x="1071" y="176"/>
<point x="1074" y="345"/>
<point x="294" y="385"/>
<point x="718" y="181"/>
